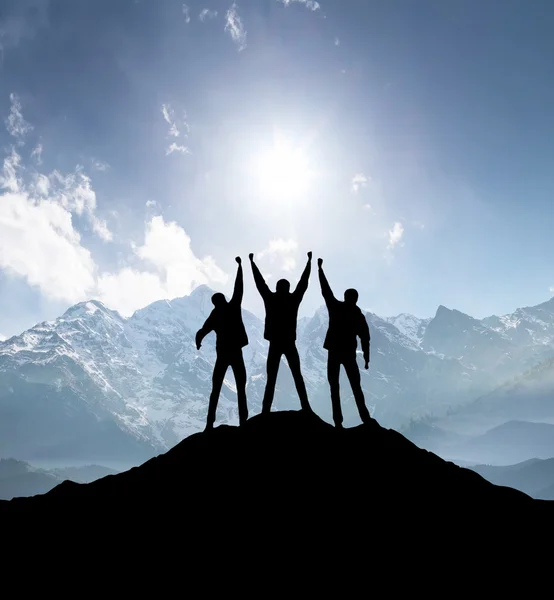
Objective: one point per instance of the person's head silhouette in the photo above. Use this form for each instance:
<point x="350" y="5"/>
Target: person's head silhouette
<point x="283" y="286"/>
<point x="351" y="296"/>
<point x="218" y="299"/>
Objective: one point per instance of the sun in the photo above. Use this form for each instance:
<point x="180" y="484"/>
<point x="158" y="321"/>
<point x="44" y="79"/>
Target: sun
<point x="283" y="170"/>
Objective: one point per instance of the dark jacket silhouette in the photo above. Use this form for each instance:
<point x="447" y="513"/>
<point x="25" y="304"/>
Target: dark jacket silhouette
<point x="226" y="321"/>
<point x="281" y="309"/>
<point x="346" y="323"/>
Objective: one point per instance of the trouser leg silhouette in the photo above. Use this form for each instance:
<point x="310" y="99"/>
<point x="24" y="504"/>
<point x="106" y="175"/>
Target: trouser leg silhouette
<point x="333" y="374"/>
<point x="291" y="354"/>
<point x="273" y="361"/>
<point x="239" y="371"/>
<point x="220" y="368"/>
<point x="353" y="373"/>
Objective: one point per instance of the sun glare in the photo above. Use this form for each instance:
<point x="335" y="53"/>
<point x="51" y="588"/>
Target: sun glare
<point x="283" y="170"/>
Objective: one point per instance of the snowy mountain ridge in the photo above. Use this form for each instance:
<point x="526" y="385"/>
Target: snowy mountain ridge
<point x="143" y="381"/>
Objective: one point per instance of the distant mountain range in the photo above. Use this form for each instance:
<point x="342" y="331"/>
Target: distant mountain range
<point x="20" y="479"/>
<point x="534" y="477"/>
<point x="94" y="386"/>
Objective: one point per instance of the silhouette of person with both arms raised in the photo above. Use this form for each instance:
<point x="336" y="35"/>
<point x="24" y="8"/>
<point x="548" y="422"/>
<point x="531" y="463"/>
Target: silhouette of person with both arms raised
<point x="281" y="309"/>
<point x="226" y="320"/>
<point x="346" y="323"/>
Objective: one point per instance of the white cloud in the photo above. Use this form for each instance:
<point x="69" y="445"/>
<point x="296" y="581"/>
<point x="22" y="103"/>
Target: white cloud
<point x="206" y="14"/>
<point x="235" y="27"/>
<point x="40" y="244"/>
<point x="337" y="41"/>
<point x="9" y="179"/>
<point x="173" y="270"/>
<point x="152" y="204"/>
<point x="37" y="154"/>
<point x="358" y="181"/>
<point x="176" y="148"/>
<point x="551" y="289"/>
<point x="310" y="4"/>
<point x="15" y="123"/>
<point x="186" y="13"/>
<point x="100" y="165"/>
<point x="284" y="250"/>
<point x="395" y="235"/>
<point x="2" y="337"/>
<point x="74" y="192"/>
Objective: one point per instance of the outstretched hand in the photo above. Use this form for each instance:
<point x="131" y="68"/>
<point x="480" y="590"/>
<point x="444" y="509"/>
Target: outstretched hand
<point x="319" y="262"/>
<point x="198" y="345"/>
<point x="310" y="255"/>
<point x="238" y="259"/>
<point x="251" y="256"/>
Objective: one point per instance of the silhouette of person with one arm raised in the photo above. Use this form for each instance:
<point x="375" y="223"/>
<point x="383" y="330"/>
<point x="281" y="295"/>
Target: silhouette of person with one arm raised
<point x="346" y="323"/>
<point x="226" y="321"/>
<point x="281" y="308"/>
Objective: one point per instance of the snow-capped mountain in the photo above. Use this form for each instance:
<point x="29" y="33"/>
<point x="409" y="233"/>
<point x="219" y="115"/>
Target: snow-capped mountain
<point x="412" y="327"/>
<point x="93" y="385"/>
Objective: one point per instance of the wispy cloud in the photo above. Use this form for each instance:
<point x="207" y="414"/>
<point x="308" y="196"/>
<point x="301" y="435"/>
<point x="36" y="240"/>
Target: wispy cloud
<point x="235" y="27"/>
<point x="310" y="4"/>
<point x="337" y="41"/>
<point x="283" y="250"/>
<point x="175" y="130"/>
<point x="169" y="117"/>
<point x="15" y="123"/>
<point x="206" y="14"/>
<point x="395" y="235"/>
<point x="100" y="165"/>
<point x="186" y="13"/>
<point x="358" y="181"/>
<point x="37" y="154"/>
<point x="177" y="148"/>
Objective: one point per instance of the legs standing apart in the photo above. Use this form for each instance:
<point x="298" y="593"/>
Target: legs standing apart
<point x="239" y="371"/>
<point x="353" y="373"/>
<point x="220" y="369"/>
<point x="333" y="373"/>
<point x="294" y="363"/>
<point x="273" y="360"/>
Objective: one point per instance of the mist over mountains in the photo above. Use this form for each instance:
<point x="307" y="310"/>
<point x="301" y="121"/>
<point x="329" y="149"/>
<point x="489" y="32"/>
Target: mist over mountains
<point x="94" y="386"/>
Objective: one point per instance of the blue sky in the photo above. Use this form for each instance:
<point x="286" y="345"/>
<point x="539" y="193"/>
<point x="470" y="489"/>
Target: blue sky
<point x="141" y="151"/>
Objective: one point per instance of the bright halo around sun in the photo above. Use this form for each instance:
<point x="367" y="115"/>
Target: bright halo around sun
<point x="283" y="170"/>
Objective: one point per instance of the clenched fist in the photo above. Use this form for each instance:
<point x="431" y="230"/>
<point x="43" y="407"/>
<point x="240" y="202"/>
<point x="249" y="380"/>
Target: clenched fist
<point x="238" y="259"/>
<point x="251" y="256"/>
<point x="309" y="255"/>
<point x="319" y="262"/>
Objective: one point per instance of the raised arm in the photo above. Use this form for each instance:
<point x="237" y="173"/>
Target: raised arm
<point x="363" y="332"/>
<point x="259" y="280"/>
<point x="325" y="287"/>
<point x="304" y="279"/>
<point x="239" y="284"/>
<point x="203" y="332"/>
